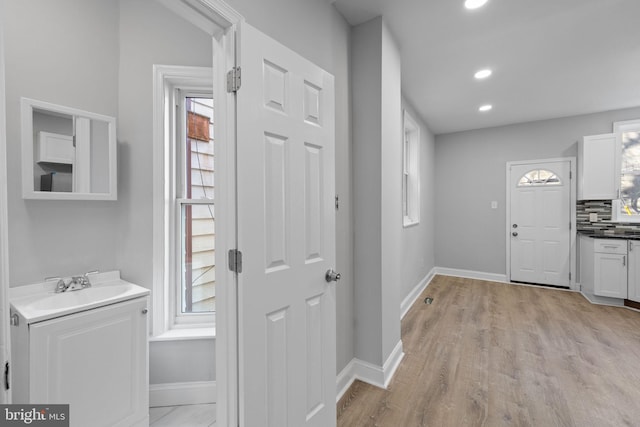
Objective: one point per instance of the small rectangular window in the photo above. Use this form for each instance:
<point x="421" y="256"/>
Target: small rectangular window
<point x="411" y="172"/>
<point x="194" y="207"/>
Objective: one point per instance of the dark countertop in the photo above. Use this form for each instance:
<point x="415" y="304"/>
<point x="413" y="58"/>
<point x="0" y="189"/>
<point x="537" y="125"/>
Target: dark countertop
<point x="629" y="235"/>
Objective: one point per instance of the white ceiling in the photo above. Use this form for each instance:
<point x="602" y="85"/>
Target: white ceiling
<point x="550" y="58"/>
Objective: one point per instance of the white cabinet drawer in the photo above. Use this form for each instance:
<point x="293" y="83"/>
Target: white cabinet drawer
<point x="610" y="246"/>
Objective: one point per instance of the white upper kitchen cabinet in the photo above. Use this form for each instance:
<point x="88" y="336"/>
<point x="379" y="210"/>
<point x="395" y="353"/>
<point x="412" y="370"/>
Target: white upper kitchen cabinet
<point x="598" y="177"/>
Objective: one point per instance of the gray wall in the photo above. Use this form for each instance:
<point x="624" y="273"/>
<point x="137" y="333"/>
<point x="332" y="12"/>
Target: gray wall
<point x="391" y="187"/>
<point x="418" y="241"/>
<point x="97" y="55"/>
<point x="471" y="171"/>
<point x="151" y="34"/>
<point x="316" y="30"/>
<point x="377" y="170"/>
<point x="167" y="361"/>
<point x="103" y="64"/>
<point x="53" y="56"/>
<point x="367" y="181"/>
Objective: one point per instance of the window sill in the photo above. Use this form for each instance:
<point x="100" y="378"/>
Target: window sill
<point x="184" y="334"/>
<point x="409" y="223"/>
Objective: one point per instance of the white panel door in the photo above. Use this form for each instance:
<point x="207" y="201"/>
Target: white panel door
<point x="540" y="221"/>
<point x="286" y="231"/>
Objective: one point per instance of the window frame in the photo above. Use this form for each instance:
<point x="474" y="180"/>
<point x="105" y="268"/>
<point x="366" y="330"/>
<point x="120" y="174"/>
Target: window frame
<point x="410" y="171"/>
<point x="178" y="200"/>
<point x="168" y="321"/>
<point x="616" y="206"/>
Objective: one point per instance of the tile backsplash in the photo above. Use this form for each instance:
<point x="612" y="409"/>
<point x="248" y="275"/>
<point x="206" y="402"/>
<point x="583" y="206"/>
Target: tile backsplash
<point x="603" y="209"/>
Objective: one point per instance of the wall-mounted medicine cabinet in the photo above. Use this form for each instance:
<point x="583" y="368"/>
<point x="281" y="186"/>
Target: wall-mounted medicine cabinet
<point x="67" y="154"/>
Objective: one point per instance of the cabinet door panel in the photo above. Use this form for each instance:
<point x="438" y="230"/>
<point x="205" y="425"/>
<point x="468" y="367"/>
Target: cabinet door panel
<point x="598" y="176"/>
<point x="96" y="361"/>
<point x="610" y="275"/>
<point x="633" y="287"/>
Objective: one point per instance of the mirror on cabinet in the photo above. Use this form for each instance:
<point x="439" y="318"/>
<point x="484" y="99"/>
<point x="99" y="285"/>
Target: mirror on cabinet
<point x="67" y="154"/>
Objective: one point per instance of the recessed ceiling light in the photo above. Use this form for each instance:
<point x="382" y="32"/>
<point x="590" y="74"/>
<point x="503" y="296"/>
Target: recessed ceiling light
<point x="474" y="4"/>
<point x="485" y="108"/>
<point x="483" y="74"/>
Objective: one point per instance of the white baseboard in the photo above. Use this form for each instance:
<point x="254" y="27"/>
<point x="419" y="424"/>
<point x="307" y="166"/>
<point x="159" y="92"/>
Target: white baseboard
<point x="595" y="299"/>
<point x="189" y="393"/>
<point x="142" y="423"/>
<point x="344" y="379"/>
<point x="392" y="363"/>
<point x="408" y="301"/>
<point x="369" y="373"/>
<point x="470" y="274"/>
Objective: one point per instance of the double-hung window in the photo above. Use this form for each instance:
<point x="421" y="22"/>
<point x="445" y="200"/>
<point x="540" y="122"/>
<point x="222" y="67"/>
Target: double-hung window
<point x="194" y="219"/>
<point x="410" y="172"/>
<point x="184" y="290"/>
<point x="627" y="207"/>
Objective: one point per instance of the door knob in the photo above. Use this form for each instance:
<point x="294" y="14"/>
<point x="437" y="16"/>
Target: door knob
<point x="331" y="276"/>
<point x="514" y="234"/>
<point x="515" y="225"/>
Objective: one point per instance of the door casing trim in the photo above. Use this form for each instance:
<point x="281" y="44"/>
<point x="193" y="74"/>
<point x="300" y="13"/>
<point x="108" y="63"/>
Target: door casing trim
<point x="221" y="21"/>
<point x="572" y="201"/>
<point x="5" y="342"/>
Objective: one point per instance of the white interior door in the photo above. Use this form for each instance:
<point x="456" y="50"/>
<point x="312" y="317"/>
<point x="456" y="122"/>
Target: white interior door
<point x="540" y="223"/>
<point x="286" y="232"/>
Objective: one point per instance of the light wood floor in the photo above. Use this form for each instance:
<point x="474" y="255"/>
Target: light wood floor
<point x="490" y="354"/>
<point x="183" y="416"/>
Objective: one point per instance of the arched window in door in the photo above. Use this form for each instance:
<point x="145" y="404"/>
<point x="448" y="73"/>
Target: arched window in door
<point x="539" y="177"/>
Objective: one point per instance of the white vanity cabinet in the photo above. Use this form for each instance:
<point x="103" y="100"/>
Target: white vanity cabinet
<point x="93" y="356"/>
<point x="633" y="278"/>
<point x="598" y="176"/>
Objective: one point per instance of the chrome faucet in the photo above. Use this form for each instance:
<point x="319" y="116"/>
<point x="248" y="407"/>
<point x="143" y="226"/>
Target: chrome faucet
<point x="75" y="283"/>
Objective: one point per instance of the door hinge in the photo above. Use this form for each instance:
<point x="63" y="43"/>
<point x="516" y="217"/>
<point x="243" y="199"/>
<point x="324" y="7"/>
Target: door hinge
<point x="233" y="80"/>
<point x="6" y="376"/>
<point x="570" y="175"/>
<point x="569" y="276"/>
<point x="337" y="202"/>
<point x="235" y="260"/>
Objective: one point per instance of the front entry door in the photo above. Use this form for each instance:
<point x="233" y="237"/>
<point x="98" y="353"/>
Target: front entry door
<point x="286" y="232"/>
<point x="540" y="223"/>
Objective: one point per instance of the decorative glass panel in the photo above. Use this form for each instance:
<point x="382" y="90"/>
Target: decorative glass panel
<point x="539" y="177"/>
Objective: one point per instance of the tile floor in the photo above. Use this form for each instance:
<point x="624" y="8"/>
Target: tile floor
<point x="183" y="416"/>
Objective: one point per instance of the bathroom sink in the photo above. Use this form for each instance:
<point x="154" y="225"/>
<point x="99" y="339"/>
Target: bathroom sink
<point x="39" y="302"/>
<point x="79" y="298"/>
